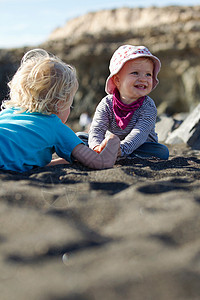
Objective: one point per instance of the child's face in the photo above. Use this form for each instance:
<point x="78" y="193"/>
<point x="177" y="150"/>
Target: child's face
<point x="135" y="79"/>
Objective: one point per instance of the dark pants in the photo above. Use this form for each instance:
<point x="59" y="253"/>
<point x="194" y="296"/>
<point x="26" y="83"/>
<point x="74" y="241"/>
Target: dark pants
<point x="146" y="150"/>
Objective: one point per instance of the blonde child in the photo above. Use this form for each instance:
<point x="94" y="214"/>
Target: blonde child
<point x="32" y="125"/>
<point x="127" y="111"/>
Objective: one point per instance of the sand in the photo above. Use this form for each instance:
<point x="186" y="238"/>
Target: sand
<point x="130" y="232"/>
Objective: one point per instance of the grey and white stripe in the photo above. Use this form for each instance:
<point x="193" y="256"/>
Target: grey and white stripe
<point x="140" y="129"/>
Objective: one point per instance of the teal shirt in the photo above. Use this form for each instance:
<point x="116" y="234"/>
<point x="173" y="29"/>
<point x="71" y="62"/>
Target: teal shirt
<point x="29" y="139"/>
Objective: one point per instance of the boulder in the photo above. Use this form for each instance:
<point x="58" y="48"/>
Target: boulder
<point x="9" y="62"/>
<point x="188" y="132"/>
<point x="164" y="126"/>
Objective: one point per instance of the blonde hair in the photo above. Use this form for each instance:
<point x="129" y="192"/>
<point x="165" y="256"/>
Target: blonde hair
<point x="41" y="83"/>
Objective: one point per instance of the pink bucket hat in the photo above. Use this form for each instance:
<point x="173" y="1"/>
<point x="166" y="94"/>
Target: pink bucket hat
<point x="124" y="54"/>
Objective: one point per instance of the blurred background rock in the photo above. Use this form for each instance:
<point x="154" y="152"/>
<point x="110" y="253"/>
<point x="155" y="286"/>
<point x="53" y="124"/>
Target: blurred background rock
<point x="88" y="42"/>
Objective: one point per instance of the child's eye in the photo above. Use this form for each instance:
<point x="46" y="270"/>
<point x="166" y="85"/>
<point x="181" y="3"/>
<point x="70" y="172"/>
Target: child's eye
<point x="134" y="73"/>
<point x="148" y="74"/>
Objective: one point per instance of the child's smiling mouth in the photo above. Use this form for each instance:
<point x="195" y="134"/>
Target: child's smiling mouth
<point x="140" y="86"/>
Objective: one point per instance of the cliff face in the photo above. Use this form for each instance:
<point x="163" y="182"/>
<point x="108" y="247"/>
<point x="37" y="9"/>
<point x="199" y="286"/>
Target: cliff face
<point x="171" y="33"/>
<point x="9" y="62"/>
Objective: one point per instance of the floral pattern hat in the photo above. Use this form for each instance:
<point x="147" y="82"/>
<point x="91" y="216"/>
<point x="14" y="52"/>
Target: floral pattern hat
<point x="124" y="54"/>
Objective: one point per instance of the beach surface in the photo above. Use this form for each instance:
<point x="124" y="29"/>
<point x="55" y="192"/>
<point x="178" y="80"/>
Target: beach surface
<point x="130" y="232"/>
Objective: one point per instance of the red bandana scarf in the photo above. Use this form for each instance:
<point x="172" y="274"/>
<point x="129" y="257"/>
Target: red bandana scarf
<point x="124" y="112"/>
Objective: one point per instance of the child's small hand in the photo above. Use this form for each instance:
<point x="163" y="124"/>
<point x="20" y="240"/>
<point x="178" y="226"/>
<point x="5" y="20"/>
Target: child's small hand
<point x="100" y="147"/>
<point x="103" y="144"/>
<point x="97" y="148"/>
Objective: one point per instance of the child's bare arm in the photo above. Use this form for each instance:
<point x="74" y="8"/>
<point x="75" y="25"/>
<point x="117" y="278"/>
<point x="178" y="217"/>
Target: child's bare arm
<point x="105" y="159"/>
<point x="89" y="158"/>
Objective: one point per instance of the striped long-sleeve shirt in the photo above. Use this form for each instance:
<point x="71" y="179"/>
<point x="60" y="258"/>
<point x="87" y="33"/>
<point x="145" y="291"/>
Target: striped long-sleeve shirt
<point x="140" y="129"/>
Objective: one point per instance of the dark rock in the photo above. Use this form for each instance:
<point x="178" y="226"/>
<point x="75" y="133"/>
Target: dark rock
<point x="164" y="126"/>
<point x="188" y="132"/>
<point x="9" y="62"/>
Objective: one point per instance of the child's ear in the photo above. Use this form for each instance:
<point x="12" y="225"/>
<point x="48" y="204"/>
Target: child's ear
<point x="59" y="105"/>
<point x="116" y="80"/>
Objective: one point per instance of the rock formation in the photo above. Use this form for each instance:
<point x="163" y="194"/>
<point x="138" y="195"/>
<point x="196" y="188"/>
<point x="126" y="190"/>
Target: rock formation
<point x="188" y="132"/>
<point x="9" y="62"/>
<point x="171" y="33"/>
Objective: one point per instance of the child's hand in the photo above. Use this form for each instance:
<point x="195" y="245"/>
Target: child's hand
<point x="97" y="148"/>
<point x="100" y="147"/>
<point x="103" y="144"/>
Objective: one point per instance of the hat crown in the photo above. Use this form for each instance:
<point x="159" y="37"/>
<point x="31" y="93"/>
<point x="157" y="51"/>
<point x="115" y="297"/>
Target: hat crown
<point x="124" y="53"/>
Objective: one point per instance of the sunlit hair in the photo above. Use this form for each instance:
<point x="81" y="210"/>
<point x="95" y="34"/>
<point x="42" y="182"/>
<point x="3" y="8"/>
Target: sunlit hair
<point x="43" y="83"/>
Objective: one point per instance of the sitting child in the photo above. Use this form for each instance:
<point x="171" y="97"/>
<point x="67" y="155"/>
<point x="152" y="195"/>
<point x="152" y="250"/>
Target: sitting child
<point x="127" y="111"/>
<point x="32" y="125"/>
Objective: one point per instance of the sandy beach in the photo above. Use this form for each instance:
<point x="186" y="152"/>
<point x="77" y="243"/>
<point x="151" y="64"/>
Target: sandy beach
<point x="130" y="232"/>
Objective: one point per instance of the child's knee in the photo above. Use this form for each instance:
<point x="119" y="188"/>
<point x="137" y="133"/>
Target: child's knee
<point x="165" y="152"/>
